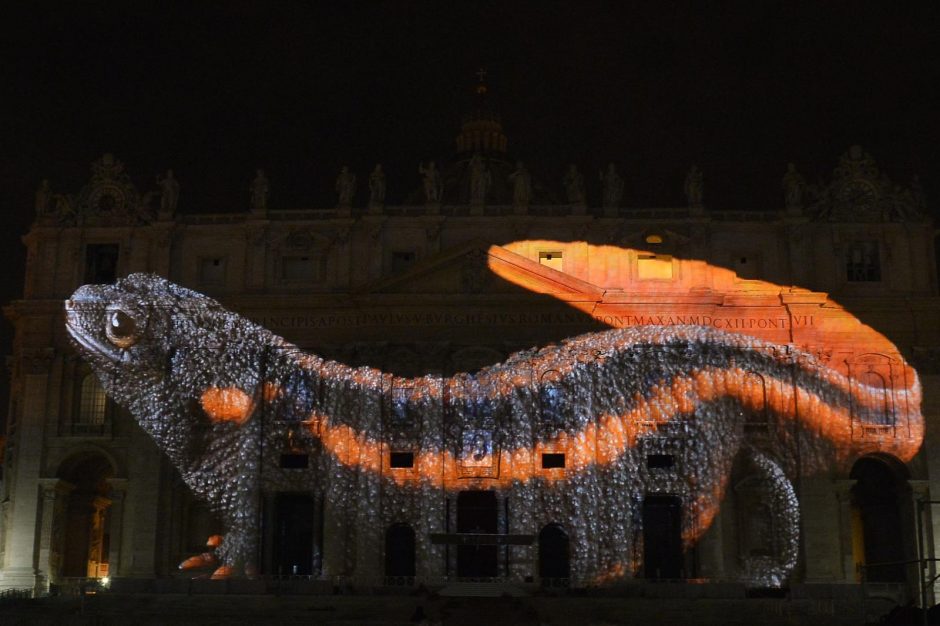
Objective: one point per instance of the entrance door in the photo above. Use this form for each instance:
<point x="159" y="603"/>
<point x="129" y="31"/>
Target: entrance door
<point x="876" y="499"/>
<point x="400" y="550"/>
<point x="553" y="553"/>
<point x="86" y="519"/>
<point x="293" y="540"/>
<point x="662" y="537"/>
<point x="476" y="513"/>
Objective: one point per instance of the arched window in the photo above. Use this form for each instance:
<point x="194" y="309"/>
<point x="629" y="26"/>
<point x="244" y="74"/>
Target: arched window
<point x="91" y="409"/>
<point x="551" y="397"/>
<point x="756" y="531"/>
<point x="755" y="391"/>
<point x="400" y="550"/>
<point x="880" y="409"/>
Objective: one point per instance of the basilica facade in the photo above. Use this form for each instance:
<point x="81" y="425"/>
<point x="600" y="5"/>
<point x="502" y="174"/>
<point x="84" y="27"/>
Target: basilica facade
<point x="480" y="262"/>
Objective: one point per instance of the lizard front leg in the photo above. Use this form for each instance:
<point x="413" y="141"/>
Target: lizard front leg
<point x="782" y="504"/>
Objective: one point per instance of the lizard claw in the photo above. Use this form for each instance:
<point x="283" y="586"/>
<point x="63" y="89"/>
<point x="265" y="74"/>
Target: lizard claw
<point x="200" y="561"/>
<point x="222" y="573"/>
<point x="206" y="559"/>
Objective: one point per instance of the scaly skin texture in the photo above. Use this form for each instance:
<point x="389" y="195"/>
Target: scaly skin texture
<point x="224" y="398"/>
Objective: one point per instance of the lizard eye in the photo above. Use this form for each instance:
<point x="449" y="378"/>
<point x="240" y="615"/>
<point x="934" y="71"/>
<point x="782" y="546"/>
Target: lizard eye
<point x="121" y="329"/>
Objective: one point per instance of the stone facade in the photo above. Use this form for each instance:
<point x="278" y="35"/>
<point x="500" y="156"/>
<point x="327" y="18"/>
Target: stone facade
<point x="410" y="289"/>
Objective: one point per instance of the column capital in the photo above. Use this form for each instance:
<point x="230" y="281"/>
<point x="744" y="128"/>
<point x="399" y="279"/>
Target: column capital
<point x="52" y="487"/>
<point x="843" y="488"/>
<point x="37" y="361"/>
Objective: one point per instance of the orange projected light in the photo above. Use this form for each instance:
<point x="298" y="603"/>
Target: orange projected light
<point x="702" y="373"/>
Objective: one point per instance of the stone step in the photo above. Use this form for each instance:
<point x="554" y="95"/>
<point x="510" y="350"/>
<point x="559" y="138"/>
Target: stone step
<point x="481" y="590"/>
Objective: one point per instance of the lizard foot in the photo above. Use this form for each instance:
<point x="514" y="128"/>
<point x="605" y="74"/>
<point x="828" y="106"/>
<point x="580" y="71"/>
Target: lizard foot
<point x="206" y="559"/>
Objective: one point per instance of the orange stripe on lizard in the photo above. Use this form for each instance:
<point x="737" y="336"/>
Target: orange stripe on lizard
<point x="229" y="404"/>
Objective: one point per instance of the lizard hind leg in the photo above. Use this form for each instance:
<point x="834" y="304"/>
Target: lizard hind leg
<point x="775" y="525"/>
<point x="205" y="560"/>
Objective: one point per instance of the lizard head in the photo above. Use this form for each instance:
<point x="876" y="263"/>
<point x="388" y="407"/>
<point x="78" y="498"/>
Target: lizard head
<point x="125" y="330"/>
<point x="157" y="347"/>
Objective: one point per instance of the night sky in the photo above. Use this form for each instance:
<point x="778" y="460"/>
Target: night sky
<point x="215" y="90"/>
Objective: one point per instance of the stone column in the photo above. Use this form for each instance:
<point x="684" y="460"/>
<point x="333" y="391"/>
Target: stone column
<point x="823" y="562"/>
<point x="920" y="492"/>
<point x="335" y="525"/>
<point x="141" y="508"/>
<point x="161" y="249"/>
<point x="118" y="491"/>
<point x="20" y="569"/>
<point x="55" y="494"/>
<point x="849" y="560"/>
<point x="710" y="548"/>
<point x="256" y="253"/>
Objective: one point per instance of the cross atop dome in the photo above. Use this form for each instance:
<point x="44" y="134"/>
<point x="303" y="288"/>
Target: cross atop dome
<point x="481" y="81"/>
<point x="481" y="130"/>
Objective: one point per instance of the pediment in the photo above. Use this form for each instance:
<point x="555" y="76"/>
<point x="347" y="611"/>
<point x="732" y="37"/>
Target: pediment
<point x="467" y="269"/>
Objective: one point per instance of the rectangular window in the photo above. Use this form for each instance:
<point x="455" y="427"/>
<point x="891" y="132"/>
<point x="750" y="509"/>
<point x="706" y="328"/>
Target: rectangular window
<point x="654" y="267"/>
<point x="553" y="460"/>
<point x="299" y="268"/>
<point x="212" y="270"/>
<point x="402" y="460"/>
<point x="660" y="461"/>
<point x="862" y="262"/>
<point x="295" y="461"/>
<point x="551" y="259"/>
<point x="746" y="266"/>
<point x="402" y="260"/>
<point x="101" y="261"/>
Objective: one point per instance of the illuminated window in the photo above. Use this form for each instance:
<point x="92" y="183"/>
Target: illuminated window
<point x="862" y="263"/>
<point x="101" y="261"/>
<point x="91" y="410"/>
<point x="654" y="266"/>
<point x="402" y="260"/>
<point x="551" y="259"/>
<point x="212" y="270"/>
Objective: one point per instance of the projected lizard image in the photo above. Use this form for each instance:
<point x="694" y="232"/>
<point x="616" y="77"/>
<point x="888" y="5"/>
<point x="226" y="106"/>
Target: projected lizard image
<point x="586" y="432"/>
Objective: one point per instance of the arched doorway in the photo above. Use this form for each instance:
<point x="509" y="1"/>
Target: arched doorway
<point x="400" y="550"/>
<point x="85" y="535"/>
<point x="879" y="529"/>
<point x="554" y="560"/>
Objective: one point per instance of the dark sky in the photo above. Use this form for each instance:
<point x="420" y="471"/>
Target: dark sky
<point x="216" y="89"/>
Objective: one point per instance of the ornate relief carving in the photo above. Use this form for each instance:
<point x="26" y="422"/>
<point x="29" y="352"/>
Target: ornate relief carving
<point x="858" y="192"/>
<point x="474" y="275"/>
<point x="110" y="198"/>
<point x="37" y="361"/>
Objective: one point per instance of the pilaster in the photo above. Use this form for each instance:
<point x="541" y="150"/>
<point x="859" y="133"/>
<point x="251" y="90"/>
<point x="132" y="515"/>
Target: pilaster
<point x="21" y="565"/>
